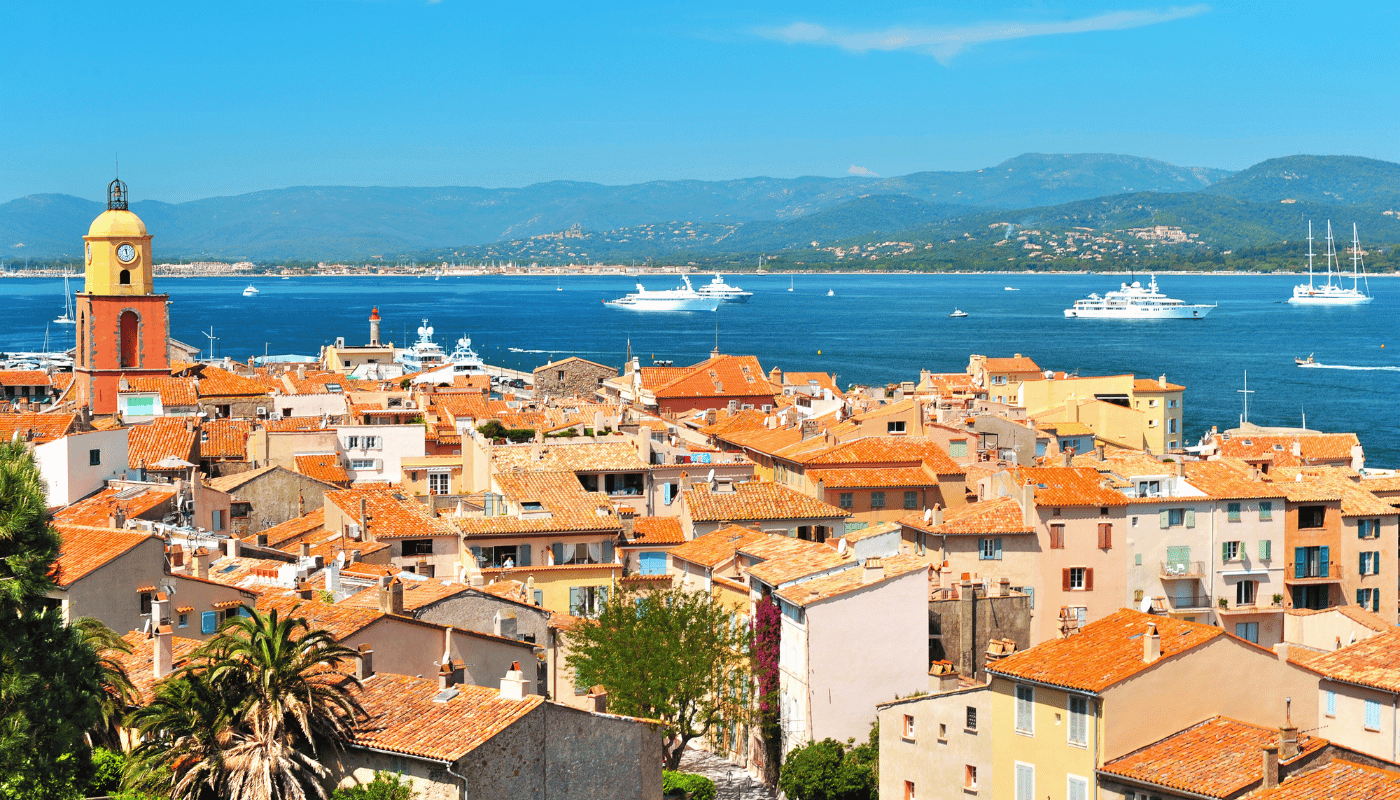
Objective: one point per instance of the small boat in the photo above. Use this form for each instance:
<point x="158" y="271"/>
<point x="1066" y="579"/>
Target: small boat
<point x="791" y="283"/>
<point x="67" y="318"/>
<point x="958" y="312"/>
<point x="830" y="293"/>
<point x="559" y="288"/>
<point x="250" y="291"/>
<point x="1011" y="289"/>
<point x="1305" y="362"/>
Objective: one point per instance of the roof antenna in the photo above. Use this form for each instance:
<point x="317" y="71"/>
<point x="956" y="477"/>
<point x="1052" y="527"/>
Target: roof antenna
<point x="715" y="354"/>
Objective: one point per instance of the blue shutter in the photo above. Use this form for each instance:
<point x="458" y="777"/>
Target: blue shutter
<point x="523" y="555"/>
<point x="1373" y="714"/>
<point x="476" y="554"/>
<point x="1300" y="562"/>
<point x="558" y="548"/>
<point x="1331" y="704"/>
<point x="666" y="493"/>
<point x="608" y="552"/>
<point x="1322" y="562"/>
<point x="652" y="563"/>
<point x="575" y="601"/>
<point x="539" y="598"/>
<point x="208" y="622"/>
<point x="998" y="547"/>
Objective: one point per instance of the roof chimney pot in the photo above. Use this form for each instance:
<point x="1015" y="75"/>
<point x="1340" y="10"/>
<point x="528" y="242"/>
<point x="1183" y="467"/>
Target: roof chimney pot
<point x="1151" y="644"/>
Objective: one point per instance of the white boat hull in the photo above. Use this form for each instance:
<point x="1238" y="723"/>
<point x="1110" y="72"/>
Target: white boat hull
<point x="1172" y="312"/>
<point x="700" y="304"/>
<point x="1329" y="300"/>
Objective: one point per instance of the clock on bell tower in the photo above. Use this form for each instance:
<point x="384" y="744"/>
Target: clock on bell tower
<point x="123" y="326"/>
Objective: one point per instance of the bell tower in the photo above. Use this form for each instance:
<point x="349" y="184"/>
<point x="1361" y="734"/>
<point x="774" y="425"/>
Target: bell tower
<point x="123" y="325"/>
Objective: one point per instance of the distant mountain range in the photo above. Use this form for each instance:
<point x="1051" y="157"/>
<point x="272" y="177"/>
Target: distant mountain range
<point x="738" y="219"/>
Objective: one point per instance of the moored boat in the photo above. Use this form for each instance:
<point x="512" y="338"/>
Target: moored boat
<point x="679" y="299"/>
<point x="1132" y="301"/>
<point x="719" y="290"/>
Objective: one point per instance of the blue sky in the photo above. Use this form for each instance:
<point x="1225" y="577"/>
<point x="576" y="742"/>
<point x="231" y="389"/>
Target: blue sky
<point x="212" y="98"/>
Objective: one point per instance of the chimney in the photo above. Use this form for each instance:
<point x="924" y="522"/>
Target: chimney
<point x="711" y="416"/>
<point x="117" y="519"/>
<point x="1003" y="587"/>
<point x="967" y="628"/>
<point x="598" y="699"/>
<point x="176" y="554"/>
<point x="304" y="590"/>
<point x="513" y="684"/>
<point x="937" y="517"/>
<point x="873" y="570"/>
<point x="945" y="575"/>
<point x="305" y="550"/>
<point x="1162" y="382"/>
<point x="374" y="327"/>
<point x="1151" y="644"/>
<point x="390" y="596"/>
<point x="364" y="666"/>
<point x="1067" y="457"/>
<point x="1288" y="734"/>
<point x="160" y="610"/>
<point x="1180" y="468"/>
<point x="1270" y="766"/>
<point x="537" y="450"/>
<point x="261" y="540"/>
<point x="685" y="482"/>
<point x="809" y="429"/>
<point x="333" y="576"/>
<point x="1099" y="453"/>
<point x="629" y="522"/>
<point x="733" y="406"/>
<point x="199" y="563"/>
<point x="232" y="546"/>
<point x="775" y="376"/>
<point x="942" y="677"/>
<point x="446" y="673"/>
<point x="163" y="655"/>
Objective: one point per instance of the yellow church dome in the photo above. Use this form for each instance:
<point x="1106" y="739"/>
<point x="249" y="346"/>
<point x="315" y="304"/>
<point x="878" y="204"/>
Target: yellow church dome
<point x="116" y="222"/>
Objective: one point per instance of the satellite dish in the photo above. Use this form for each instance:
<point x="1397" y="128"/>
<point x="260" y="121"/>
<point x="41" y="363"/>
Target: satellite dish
<point x="1146" y="605"/>
<point x="928" y="515"/>
<point x="841" y="547"/>
<point x="711" y="477"/>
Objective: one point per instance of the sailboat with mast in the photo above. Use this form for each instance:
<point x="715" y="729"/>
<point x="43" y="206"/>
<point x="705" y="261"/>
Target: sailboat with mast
<point x="67" y="318"/>
<point x="1333" y="293"/>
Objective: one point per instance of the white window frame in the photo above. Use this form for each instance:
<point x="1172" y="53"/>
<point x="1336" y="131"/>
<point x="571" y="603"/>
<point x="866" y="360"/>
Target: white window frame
<point x="1070" y="715"/>
<point x="1026" y="792"/>
<point x="1028" y="702"/>
<point x="443" y="478"/>
<point x="362" y="464"/>
<point x="1076" y="586"/>
<point x="1070" y="780"/>
<point x="352" y="442"/>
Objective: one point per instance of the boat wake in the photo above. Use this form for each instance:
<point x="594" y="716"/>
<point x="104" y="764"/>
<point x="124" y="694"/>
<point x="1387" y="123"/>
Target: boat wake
<point x="553" y="352"/>
<point x="1344" y="366"/>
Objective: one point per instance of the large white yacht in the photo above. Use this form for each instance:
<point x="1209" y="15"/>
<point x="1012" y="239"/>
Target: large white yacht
<point x="1333" y="293"/>
<point x="678" y="299"/>
<point x="1132" y="301"/>
<point x="720" y="290"/>
<point x="424" y="354"/>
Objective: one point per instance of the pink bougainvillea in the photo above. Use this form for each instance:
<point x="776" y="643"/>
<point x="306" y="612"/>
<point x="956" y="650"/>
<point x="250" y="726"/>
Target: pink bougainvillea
<point x="767" y="633"/>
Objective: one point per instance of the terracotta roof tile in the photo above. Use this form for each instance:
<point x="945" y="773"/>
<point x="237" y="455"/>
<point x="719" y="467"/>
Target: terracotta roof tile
<point x="874" y="477"/>
<point x="1330" y="483"/>
<point x="97" y="510"/>
<point x="583" y="457"/>
<point x="848" y="580"/>
<point x="1381" y="483"/>
<point x="290" y="424"/>
<point x="1150" y="386"/>
<point x="159" y="439"/>
<point x="224" y="438"/>
<point x="758" y="438"/>
<point x="1313" y="447"/>
<point x="37" y="428"/>
<point x="1017" y="364"/>
<point x="786" y="559"/>
<point x="756" y="500"/>
<point x="216" y="382"/>
<point x="324" y="467"/>
<point x="1103" y="653"/>
<point x="1223" y="482"/>
<point x="1001" y="515"/>
<point x="823" y="380"/>
<point x="716" y="547"/>
<point x="1069" y="486"/>
<point x="563" y="506"/>
<point x="882" y="450"/>
<point x="416" y="594"/>
<point x="1216" y="758"/>
<point x="340" y="621"/>
<point x="174" y="392"/>
<point x="140" y="662"/>
<point x="394" y="515"/>
<point x="24" y="377"/>
<point x="405" y="718"/>
<point x="723" y="376"/>
<point x="85" y="548"/>
<point x="1337" y="780"/>
<point x="1371" y="662"/>
<point x="293" y="529"/>
<point x="657" y="530"/>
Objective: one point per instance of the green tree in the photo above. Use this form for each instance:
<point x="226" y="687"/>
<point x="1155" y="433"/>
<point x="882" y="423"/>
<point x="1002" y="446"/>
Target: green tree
<point x="826" y="770"/>
<point x="385" y="786"/>
<point x="666" y="654"/>
<point x="50" y="677"/>
<point x="250" y="717"/>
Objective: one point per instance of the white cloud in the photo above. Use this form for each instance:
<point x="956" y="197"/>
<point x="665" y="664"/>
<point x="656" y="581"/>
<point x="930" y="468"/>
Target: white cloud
<point x="946" y="42"/>
<point x="861" y="171"/>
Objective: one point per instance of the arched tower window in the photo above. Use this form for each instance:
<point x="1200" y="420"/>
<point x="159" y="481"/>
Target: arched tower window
<point x="82" y="340"/>
<point x="124" y="278"/>
<point x="129" y="331"/>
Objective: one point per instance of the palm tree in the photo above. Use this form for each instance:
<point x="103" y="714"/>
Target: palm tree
<point x="251" y="715"/>
<point x="115" y="692"/>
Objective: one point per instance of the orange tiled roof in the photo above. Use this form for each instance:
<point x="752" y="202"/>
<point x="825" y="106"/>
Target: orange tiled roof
<point x="86" y="548"/>
<point x="98" y="509"/>
<point x="568" y="507"/>
<point x="1381" y="483"/>
<point x="848" y="580"/>
<point x="290" y="424"/>
<point x="37" y="428"/>
<point x="339" y="620"/>
<point x="874" y="477"/>
<point x="1314" y="447"/>
<point x="1222" y="482"/>
<point x="787" y="559"/>
<point x="1373" y="662"/>
<point x="293" y="529"/>
<point x="657" y="530"/>
<point x="1069" y="486"/>
<point x="1216" y="758"/>
<point x="583" y="457"/>
<point x="394" y="515"/>
<point x="470" y="406"/>
<point x="1017" y="364"/>
<point x="999" y="516"/>
<point x="159" y="439"/>
<point x="882" y="450"/>
<point x="24" y="377"/>
<point x="224" y="438"/>
<point x="140" y="662"/>
<point x="653" y="377"/>
<point x="325" y="467"/>
<point x="1357" y="501"/>
<point x="716" y="547"/>
<point x="823" y="380"/>
<point x="1337" y="780"/>
<point x="173" y="391"/>
<point x="216" y="382"/>
<point x="1103" y="653"/>
<point x="723" y="376"/>
<point x="756" y="500"/>
<point x="405" y="718"/>
<point x="416" y="594"/>
<point x="758" y="438"/>
<point x="1149" y="386"/>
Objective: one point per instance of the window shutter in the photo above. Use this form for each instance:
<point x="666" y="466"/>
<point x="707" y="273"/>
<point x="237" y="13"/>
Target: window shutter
<point x="523" y="555"/>
<point x="607" y="551"/>
<point x="575" y="601"/>
<point x="208" y="622"/>
<point x="1376" y="600"/>
<point x="558" y="548"/>
<point x="1322" y="560"/>
<point x="539" y="598"/>
<point x="1365" y="561"/>
<point x="1300" y="562"/>
<point x="602" y="595"/>
<point x="476" y="554"/>
<point x="1163" y="519"/>
<point x="1064" y="579"/>
<point x="1190" y="517"/>
<point x="998" y="540"/>
<point x="1088" y="579"/>
<point x="1265" y="550"/>
<point x="1331" y="704"/>
<point x="1361" y="529"/>
<point x="1105" y="535"/>
<point x="1361" y="597"/>
<point x="1025" y="782"/>
<point x="1224" y="551"/>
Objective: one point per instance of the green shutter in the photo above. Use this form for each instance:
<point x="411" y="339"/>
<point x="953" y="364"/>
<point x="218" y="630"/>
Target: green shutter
<point x="1190" y="517"/>
<point x="523" y="555"/>
<point x="998" y="547"/>
<point x="575" y="601"/>
<point x="608" y="552"/>
<point x="1266" y="548"/>
<point x="1224" y="551"/>
<point x="1300" y="562"/>
<point x="1322" y="560"/>
<point x="1163" y="519"/>
<point x="558" y="548"/>
<point x="602" y="595"/>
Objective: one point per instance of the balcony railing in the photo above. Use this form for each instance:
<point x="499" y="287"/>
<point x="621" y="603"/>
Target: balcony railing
<point x="1189" y="602"/>
<point x="1183" y="570"/>
<point x="1334" y="574"/>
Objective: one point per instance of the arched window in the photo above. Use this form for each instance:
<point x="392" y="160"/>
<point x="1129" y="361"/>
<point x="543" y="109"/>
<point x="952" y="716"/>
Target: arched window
<point x="130" y="324"/>
<point x="124" y="278"/>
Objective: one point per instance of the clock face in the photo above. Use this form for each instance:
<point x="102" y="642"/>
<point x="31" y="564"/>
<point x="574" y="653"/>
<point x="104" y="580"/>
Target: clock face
<point x="126" y="253"/>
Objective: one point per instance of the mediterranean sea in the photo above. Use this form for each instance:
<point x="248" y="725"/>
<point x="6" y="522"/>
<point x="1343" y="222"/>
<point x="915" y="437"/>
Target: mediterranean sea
<point x="873" y="329"/>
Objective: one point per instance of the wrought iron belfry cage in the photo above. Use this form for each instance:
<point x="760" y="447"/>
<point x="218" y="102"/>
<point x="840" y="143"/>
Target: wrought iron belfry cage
<point x="116" y="195"/>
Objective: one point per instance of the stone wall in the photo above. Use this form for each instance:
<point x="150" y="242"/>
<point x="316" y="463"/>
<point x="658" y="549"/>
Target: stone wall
<point x="1007" y="617"/>
<point x="580" y="378"/>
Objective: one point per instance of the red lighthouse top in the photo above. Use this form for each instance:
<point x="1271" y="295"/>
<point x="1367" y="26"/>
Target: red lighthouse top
<point x="374" y="315"/>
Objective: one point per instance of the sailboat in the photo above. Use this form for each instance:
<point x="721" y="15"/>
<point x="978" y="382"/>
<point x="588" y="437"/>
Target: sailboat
<point x="1333" y="293"/>
<point x="67" y="318"/>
